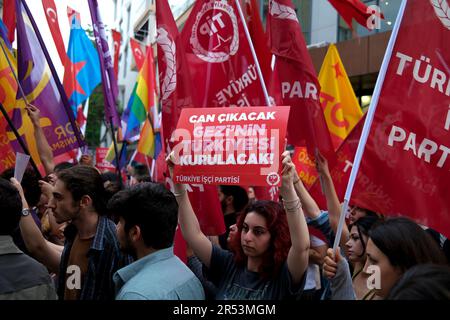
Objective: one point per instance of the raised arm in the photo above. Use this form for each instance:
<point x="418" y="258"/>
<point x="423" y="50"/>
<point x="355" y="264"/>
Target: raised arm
<point x="297" y="260"/>
<point x="188" y="221"/>
<point x="42" y="250"/>
<point x="310" y="207"/>
<point x="333" y="204"/>
<point x="44" y="149"/>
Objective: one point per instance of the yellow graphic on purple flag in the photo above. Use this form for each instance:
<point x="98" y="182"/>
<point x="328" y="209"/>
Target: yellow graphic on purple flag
<point x="8" y="90"/>
<point x="41" y="90"/>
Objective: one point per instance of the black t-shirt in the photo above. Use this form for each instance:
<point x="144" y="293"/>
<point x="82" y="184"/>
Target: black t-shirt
<point x="237" y="283"/>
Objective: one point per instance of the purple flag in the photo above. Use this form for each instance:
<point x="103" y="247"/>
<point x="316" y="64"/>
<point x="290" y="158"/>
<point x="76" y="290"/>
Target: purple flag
<point x="43" y="89"/>
<point x="109" y="81"/>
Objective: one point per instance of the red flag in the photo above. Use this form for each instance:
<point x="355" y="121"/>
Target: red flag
<point x="9" y="17"/>
<point x="117" y="38"/>
<point x="340" y="171"/>
<point x="7" y="153"/>
<point x="405" y="167"/>
<point x="306" y="168"/>
<point x="69" y="156"/>
<point x="259" y="39"/>
<point x="51" y="14"/>
<point x="355" y="9"/>
<point x="138" y="53"/>
<point x="220" y="59"/>
<point x="299" y="85"/>
<point x="159" y="174"/>
<point x="261" y="45"/>
<point x="71" y="12"/>
<point x="81" y="119"/>
<point x="219" y="56"/>
<point x="176" y="93"/>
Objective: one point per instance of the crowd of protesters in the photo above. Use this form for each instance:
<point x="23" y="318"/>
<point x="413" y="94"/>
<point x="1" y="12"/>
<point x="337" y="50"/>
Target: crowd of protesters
<point x="79" y="234"/>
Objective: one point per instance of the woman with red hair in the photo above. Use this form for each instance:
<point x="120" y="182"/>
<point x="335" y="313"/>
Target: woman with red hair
<point x="269" y="251"/>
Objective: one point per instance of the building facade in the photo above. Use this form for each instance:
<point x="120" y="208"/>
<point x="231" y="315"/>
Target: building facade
<point x="136" y="19"/>
<point x="133" y="19"/>
<point x="361" y="50"/>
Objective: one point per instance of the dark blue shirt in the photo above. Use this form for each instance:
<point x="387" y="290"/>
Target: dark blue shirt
<point x="104" y="259"/>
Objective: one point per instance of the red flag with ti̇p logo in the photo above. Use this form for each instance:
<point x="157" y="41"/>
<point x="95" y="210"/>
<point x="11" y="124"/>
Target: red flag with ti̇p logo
<point x="176" y="92"/>
<point x="219" y="56"/>
<point x="405" y="167"/>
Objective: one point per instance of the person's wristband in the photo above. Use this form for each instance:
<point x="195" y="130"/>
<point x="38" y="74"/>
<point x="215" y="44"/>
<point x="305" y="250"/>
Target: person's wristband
<point x="296" y="181"/>
<point x="292" y="205"/>
<point x="179" y="194"/>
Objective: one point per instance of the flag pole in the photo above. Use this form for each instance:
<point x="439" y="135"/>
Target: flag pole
<point x="368" y="123"/>
<point x="19" y="139"/>
<point x="132" y="157"/>
<point x="106" y="81"/>
<point x="10" y="123"/>
<point x="124" y="144"/>
<point x="116" y="150"/>
<point x="14" y="74"/>
<point x="60" y="88"/>
<point x="250" y="42"/>
<point x="150" y="169"/>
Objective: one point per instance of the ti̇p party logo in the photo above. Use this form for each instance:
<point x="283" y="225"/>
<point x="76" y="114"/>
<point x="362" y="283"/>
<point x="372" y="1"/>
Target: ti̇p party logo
<point x="215" y="34"/>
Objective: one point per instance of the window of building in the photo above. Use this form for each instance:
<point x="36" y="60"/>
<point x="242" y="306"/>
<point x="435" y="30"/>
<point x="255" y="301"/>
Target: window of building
<point x="179" y="7"/>
<point x="128" y="17"/>
<point x="363" y="86"/>
<point x="142" y="33"/>
<point x="304" y="13"/>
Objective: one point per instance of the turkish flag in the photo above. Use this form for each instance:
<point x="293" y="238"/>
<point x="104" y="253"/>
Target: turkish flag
<point x="405" y="167"/>
<point x="51" y="14"/>
<point x="176" y="92"/>
<point x="117" y="38"/>
<point x="138" y="53"/>
<point x="298" y="81"/>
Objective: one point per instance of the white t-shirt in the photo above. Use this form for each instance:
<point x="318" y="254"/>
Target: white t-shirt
<point x="313" y="274"/>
